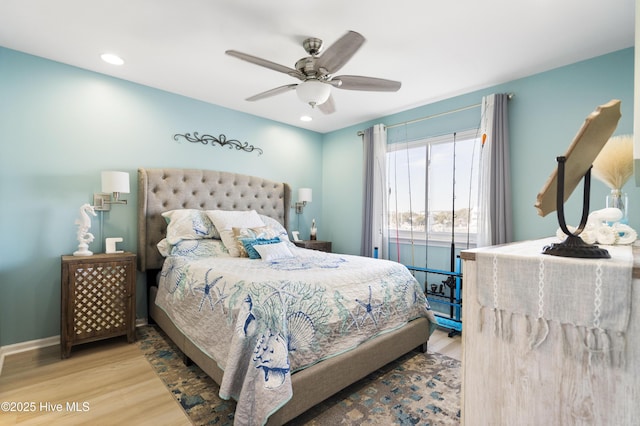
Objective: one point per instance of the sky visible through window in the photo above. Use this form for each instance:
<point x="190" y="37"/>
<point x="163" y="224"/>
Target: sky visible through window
<point x="408" y="182"/>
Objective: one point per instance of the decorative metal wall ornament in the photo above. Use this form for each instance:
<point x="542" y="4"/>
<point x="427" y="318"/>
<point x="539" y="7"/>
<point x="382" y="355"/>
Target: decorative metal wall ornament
<point x="220" y="140"/>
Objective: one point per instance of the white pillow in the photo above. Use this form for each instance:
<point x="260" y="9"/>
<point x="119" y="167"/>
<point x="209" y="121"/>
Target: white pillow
<point x="164" y="247"/>
<point x="188" y="224"/>
<point x="200" y="248"/>
<point x="270" y="252"/>
<point x="226" y="220"/>
<point x="275" y="225"/>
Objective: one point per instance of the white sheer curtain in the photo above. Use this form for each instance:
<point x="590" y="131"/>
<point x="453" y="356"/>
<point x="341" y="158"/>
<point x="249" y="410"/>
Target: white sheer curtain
<point x="495" y="218"/>
<point x="374" y="223"/>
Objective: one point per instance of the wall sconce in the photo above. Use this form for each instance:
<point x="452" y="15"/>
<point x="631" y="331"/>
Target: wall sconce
<point x="112" y="183"/>
<point x="304" y="197"/>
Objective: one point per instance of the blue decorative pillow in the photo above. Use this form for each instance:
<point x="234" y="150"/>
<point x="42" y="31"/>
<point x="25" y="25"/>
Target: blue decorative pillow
<point x="248" y="244"/>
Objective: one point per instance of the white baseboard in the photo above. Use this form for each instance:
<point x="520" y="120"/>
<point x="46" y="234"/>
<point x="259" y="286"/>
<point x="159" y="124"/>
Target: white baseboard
<point x="17" y="348"/>
<point x="30" y="345"/>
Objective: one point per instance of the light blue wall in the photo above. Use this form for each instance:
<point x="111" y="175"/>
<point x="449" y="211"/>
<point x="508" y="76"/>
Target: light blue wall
<point x="545" y="115"/>
<point x="61" y="126"/>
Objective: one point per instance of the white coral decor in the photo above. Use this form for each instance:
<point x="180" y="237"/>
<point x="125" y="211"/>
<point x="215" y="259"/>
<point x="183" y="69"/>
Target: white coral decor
<point x="598" y="230"/>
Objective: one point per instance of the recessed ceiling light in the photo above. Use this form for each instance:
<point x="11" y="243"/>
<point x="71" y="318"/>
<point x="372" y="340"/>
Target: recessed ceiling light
<point x="112" y="59"/>
<point x="305" y="118"/>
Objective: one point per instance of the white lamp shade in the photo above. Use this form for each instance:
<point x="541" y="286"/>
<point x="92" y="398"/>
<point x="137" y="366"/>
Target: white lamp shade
<point x="115" y="182"/>
<point x="313" y="92"/>
<point x="304" y="195"/>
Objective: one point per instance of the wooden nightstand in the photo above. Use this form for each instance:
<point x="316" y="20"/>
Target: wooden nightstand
<point x="314" y="245"/>
<point x="98" y="298"/>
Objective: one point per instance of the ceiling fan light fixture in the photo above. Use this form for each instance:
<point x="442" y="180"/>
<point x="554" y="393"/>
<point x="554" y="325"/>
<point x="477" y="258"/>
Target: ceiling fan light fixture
<point x="316" y="73"/>
<point x="313" y="92"/>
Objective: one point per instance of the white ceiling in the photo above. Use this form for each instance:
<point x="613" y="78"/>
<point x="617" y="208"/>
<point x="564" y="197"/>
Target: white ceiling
<point x="437" y="49"/>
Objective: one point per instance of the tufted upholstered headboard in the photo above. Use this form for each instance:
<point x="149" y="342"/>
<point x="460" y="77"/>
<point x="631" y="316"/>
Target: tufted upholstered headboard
<point x="160" y="190"/>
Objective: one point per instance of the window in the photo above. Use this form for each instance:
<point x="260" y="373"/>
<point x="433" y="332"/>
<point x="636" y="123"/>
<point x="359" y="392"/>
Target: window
<point x="423" y="176"/>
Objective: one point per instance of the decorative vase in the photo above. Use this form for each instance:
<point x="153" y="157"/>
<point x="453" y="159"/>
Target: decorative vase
<point x="619" y="200"/>
<point x="314" y="230"/>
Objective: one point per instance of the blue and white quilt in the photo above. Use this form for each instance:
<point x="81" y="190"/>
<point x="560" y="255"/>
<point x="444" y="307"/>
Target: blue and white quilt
<point x="263" y="320"/>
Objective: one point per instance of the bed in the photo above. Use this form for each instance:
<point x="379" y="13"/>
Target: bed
<point x="267" y="365"/>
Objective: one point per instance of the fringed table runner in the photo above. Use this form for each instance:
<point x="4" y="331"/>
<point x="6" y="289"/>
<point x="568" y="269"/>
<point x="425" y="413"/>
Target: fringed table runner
<point x="590" y="296"/>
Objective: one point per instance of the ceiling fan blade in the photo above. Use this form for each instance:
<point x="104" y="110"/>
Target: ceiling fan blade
<point x="358" y="82"/>
<point x="272" y="92"/>
<point x="328" y="106"/>
<point x="267" y="64"/>
<point x="336" y="55"/>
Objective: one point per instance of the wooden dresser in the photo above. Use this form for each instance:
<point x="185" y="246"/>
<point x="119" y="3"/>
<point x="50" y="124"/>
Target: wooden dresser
<point x="549" y="340"/>
<point x="97" y="298"/>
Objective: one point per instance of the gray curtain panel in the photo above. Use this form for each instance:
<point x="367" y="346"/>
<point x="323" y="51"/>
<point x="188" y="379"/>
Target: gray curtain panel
<point x="501" y="211"/>
<point x="366" y="245"/>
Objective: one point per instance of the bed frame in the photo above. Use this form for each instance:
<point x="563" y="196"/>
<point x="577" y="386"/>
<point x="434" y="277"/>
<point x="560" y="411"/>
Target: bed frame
<point x="160" y="190"/>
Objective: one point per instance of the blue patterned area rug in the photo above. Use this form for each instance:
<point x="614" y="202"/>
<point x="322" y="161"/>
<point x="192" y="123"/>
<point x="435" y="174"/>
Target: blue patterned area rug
<point x="417" y="389"/>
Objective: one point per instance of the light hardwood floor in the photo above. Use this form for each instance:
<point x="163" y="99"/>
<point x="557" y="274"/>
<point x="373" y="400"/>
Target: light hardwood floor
<point x="441" y="343"/>
<point x="107" y="383"/>
<point x="110" y="380"/>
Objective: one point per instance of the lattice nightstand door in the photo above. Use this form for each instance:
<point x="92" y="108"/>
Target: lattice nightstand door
<point x="98" y="298"/>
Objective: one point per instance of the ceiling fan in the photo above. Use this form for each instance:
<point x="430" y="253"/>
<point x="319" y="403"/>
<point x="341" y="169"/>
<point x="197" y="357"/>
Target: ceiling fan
<point x="316" y="72"/>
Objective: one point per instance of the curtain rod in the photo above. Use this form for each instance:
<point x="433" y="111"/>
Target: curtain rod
<point x="440" y="114"/>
